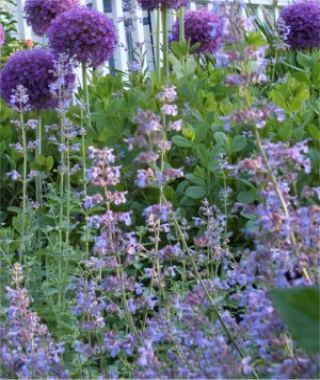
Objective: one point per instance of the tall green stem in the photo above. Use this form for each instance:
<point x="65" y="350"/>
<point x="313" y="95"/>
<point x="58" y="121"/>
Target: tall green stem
<point x="130" y="321"/>
<point x="61" y="200"/>
<point x="87" y="125"/>
<point x="165" y="42"/>
<point x="62" y="170"/>
<point x="158" y="45"/>
<point x="39" y="178"/>
<point x="181" y="25"/>
<point x="24" y="184"/>
<point x="68" y="192"/>
<point x="38" y="153"/>
<point x="84" y="162"/>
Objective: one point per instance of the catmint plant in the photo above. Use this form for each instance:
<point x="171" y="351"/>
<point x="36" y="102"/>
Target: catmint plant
<point x="27" y="349"/>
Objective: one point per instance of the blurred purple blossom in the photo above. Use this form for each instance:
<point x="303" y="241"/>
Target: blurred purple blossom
<point x="83" y="34"/>
<point x="203" y="29"/>
<point x="40" y="14"/>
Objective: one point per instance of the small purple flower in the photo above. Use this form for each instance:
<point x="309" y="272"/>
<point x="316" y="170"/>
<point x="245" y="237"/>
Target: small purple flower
<point x="168" y="94"/>
<point x="159" y="211"/>
<point x="175" y="125"/>
<point x="134" y="67"/>
<point x="34" y="70"/>
<point x="14" y="175"/>
<point x="144" y="177"/>
<point x="84" y="34"/>
<point x="2" y="35"/>
<point x="302" y="19"/>
<point x="147" y="157"/>
<point x="169" y="109"/>
<point x="40" y="13"/>
<point x="203" y="28"/>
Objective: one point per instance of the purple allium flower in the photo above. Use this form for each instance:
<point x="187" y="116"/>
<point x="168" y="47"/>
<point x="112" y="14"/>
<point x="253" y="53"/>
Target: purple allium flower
<point x="303" y="21"/>
<point x="174" y="4"/>
<point x="201" y="27"/>
<point x="83" y="34"/>
<point x="40" y="14"/>
<point x="2" y="36"/>
<point x="150" y="5"/>
<point x="34" y="70"/>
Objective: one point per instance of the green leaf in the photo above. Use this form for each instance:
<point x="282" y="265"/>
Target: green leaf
<point x="41" y="160"/>
<point x="49" y="164"/>
<point x="195" y="192"/>
<point x="278" y="98"/>
<point x="181" y="141"/>
<point x="304" y="60"/>
<point x="247" y="196"/>
<point x="196" y="180"/>
<point x="300" y="311"/>
<point x="238" y="143"/>
<point x="221" y="138"/>
<point x="314" y="132"/>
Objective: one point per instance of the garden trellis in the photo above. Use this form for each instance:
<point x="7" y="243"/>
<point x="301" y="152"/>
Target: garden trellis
<point x="136" y="27"/>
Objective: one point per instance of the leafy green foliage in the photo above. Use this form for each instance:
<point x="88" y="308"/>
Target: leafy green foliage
<point x="300" y="311"/>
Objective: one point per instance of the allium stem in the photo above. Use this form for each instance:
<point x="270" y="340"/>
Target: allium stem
<point x="87" y="125"/>
<point x="158" y="42"/>
<point x="38" y="153"/>
<point x="181" y="24"/>
<point x="24" y="184"/>
<point x="68" y="192"/>
<point x="84" y="164"/>
<point x="165" y="42"/>
<point x="39" y="197"/>
<point x="61" y="190"/>
<point x="84" y="168"/>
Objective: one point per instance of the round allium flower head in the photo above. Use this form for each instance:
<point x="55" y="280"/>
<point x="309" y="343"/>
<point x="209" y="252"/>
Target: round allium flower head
<point x="2" y="37"/>
<point x="169" y="4"/>
<point x="303" y="22"/>
<point x="40" y="13"/>
<point x="149" y="5"/>
<point x="201" y="27"/>
<point x="174" y="4"/>
<point x="83" y="34"/>
<point x="34" y="70"/>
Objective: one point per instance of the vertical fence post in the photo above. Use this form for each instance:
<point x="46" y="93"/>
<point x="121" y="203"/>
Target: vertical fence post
<point x="121" y="56"/>
<point x="193" y="6"/>
<point x="98" y="4"/>
<point x="24" y="29"/>
<point x="138" y="32"/>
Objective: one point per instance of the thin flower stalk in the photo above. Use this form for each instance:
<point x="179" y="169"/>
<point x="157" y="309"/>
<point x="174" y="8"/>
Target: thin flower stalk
<point x="165" y="42"/>
<point x="87" y="124"/>
<point x="158" y="46"/>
